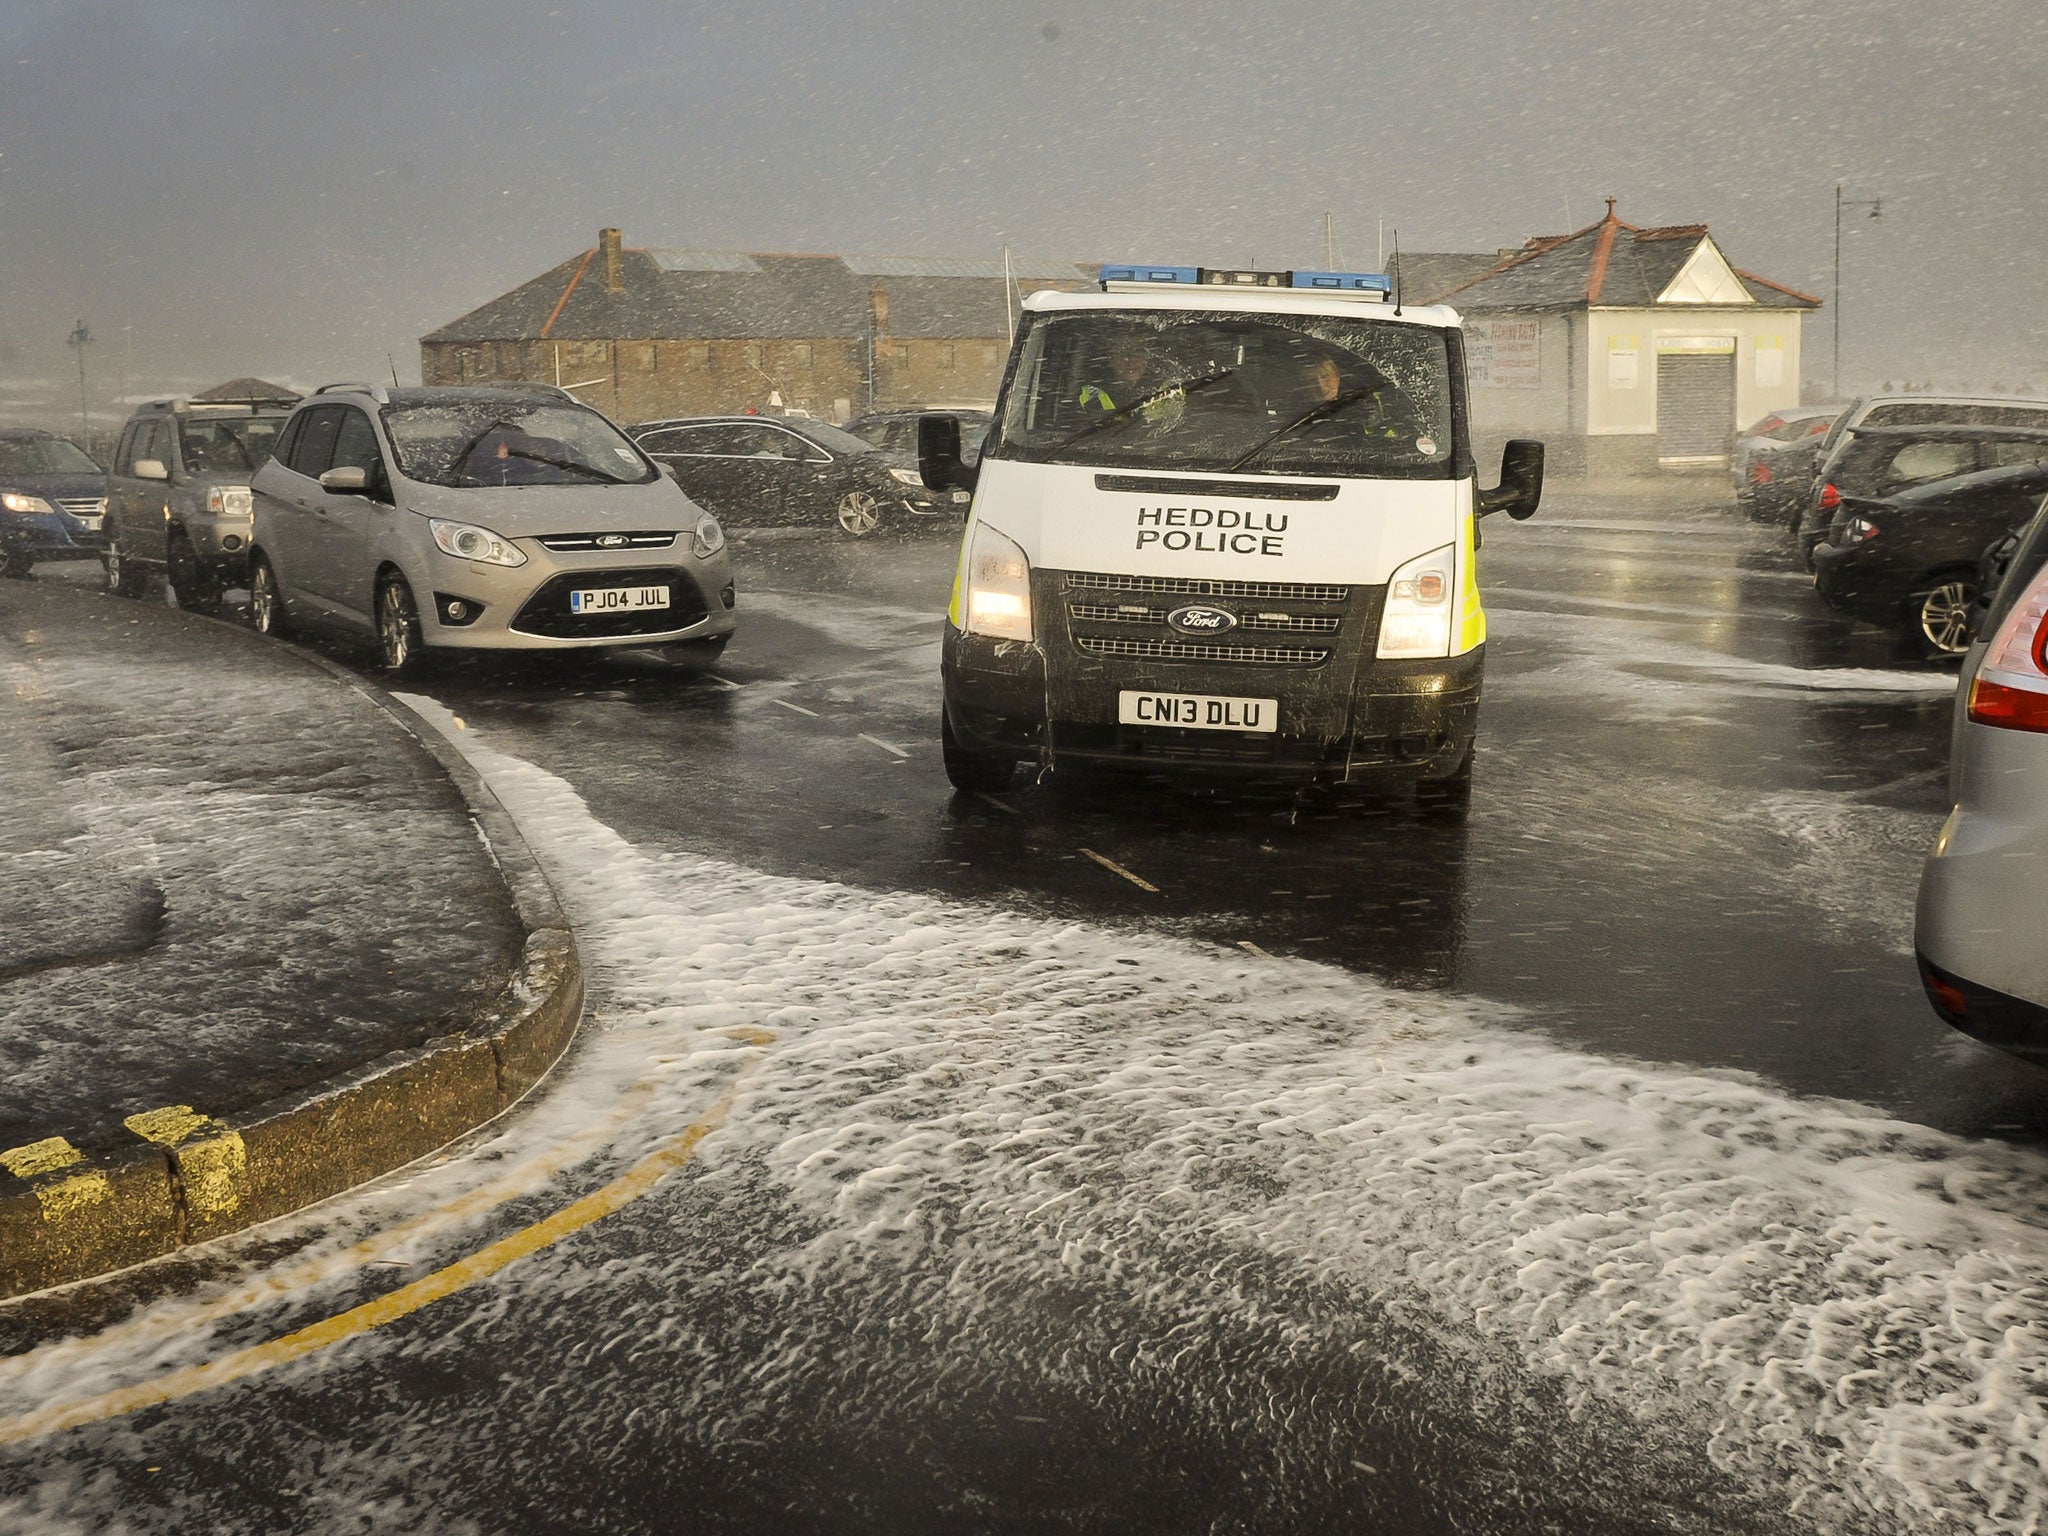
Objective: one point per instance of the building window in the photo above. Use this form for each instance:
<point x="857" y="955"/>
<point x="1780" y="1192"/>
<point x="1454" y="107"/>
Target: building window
<point x="753" y="354"/>
<point x="800" y="355"/>
<point x="636" y="356"/>
<point x="942" y="354"/>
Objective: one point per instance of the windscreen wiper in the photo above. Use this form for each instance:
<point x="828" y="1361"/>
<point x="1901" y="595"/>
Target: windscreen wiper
<point x="1327" y="408"/>
<point x="1182" y="387"/>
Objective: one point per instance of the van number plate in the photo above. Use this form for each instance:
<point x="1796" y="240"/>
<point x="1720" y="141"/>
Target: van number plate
<point x="617" y="599"/>
<point x="1197" y="711"/>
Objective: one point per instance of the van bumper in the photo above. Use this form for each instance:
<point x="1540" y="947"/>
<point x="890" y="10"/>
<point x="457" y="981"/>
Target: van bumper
<point x="1386" y="722"/>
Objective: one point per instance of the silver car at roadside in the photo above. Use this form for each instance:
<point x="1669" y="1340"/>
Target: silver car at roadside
<point x="1981" y="929"/>
<point x="475" y="518"/>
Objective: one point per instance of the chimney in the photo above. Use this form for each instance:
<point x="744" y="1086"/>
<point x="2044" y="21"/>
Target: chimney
<point x="608" y="242"/>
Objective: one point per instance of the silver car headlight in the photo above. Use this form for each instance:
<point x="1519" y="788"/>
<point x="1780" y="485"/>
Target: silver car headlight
<point x="908" y="477"/>
<point x="466" y="541"/>
<point x="709" y="538"/>
<point x="230" y="501"/>
<point x="14" y="501"/>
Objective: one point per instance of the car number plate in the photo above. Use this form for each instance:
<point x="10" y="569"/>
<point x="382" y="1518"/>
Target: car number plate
<point x="1197" y="711"/>
<point x="617" y="599"/>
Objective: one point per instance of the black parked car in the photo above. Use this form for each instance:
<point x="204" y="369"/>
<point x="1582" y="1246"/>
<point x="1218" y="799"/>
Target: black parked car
<point x="53" y="501"/>
<point x="896" y="431"/>
<point x="761" y="471"/>
<point x="1912" y="561"/>
<point x="1876" y="462"/>
<point x="1774" y="460"/>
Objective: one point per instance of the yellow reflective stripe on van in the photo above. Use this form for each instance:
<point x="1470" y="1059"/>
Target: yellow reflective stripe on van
<point x="1472" y="623"/>
<point x="953" y="610"/>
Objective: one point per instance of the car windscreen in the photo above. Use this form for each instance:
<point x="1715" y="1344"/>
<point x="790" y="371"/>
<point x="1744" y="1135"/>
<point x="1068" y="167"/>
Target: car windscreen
<point x="510" y="442"/>
<point x="1216" y="392"/>
<point x="44" y="456"/>
<point x="232" y="445"/>
<point x="832" y="438"/>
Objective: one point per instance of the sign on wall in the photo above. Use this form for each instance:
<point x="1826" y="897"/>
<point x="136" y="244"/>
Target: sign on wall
<point x="1504" y="354"/>
<point x="1623" y="366"/>
<point x="1770" y="361"/>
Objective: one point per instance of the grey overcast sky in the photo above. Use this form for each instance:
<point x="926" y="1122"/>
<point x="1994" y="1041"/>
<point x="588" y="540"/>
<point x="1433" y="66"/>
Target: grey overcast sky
<point x="296" y="188"/>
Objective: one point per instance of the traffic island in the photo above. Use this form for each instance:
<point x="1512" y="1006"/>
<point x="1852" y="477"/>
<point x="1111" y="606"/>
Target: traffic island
<point x="260" y="940"/>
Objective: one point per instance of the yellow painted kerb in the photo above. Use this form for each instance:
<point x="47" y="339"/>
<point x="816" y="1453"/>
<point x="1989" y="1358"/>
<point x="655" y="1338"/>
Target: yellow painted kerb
<point x="212" y="1161"/>
<point x="57" y="1197"/>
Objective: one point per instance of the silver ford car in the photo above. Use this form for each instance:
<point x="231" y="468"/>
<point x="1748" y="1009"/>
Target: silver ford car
<point x="1980" y="932"/>
<point x="479" y="518"/>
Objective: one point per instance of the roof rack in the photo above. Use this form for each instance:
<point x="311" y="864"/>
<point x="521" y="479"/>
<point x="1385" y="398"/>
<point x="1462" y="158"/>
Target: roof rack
<point x="376" y="392"/>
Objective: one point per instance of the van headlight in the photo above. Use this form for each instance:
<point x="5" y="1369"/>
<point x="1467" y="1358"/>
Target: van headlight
<point x="1417" y="620"/>
<point x="466" y="541"/>
<point x="998" y="587"/>
<point x="709" y="538"/>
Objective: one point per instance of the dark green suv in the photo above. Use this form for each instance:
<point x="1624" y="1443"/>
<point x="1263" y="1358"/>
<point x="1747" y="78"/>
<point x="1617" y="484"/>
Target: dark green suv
<point x="178" y="493"/>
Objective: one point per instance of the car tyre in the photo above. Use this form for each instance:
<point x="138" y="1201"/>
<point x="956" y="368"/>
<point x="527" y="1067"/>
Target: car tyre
<point x="197" y="587"/>
<point x="973" y="772"/>
<point x="859" y="512"/>
<point x="124" y="577"/>
<point x="400" y="644"/>
<point x="1450" y="795"/>
<point x="266" y="601"/>
<point x="1939" y="614"/>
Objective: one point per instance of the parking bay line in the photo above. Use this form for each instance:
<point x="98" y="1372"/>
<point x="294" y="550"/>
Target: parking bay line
<point x="796" y="708"/>
<point x="665" y="1159"/>
<point x="877" y="741"/>
<point x="1117" y="869"/>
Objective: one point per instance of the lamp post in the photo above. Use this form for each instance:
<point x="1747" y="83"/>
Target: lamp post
<point x="1876" y="207"/>
<point x="78" y="338"/>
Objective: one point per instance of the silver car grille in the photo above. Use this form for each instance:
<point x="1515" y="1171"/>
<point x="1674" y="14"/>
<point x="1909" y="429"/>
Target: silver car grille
<point x="84" y="506"/>
<point x="570" y="542"/>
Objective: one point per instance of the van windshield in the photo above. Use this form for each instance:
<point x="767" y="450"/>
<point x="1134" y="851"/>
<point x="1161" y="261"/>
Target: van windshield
<point x="1219" y="392"/>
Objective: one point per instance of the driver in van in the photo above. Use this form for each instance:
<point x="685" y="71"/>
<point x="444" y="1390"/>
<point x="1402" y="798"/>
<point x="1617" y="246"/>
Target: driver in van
<point x="1382" y="409"/>
<point x="1132" y="375"/>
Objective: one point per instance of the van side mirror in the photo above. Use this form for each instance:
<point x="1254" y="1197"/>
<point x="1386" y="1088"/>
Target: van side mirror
<point x="938" y="455"/>
<point x="1521" y="481"/>
<point x="151" y="469"/>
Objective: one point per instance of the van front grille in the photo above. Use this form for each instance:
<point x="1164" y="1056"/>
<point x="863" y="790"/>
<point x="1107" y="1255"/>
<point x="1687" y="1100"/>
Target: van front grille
<point x="1181" y="650"/>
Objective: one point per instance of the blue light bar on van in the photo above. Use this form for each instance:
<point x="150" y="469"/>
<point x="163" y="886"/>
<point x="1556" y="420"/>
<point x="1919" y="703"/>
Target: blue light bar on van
<point x="1135" y="274"/>
<point x="1344" y="282"/>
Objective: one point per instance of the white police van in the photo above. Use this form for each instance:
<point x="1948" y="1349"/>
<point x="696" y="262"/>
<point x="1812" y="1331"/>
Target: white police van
<point x="1223" y="521"/>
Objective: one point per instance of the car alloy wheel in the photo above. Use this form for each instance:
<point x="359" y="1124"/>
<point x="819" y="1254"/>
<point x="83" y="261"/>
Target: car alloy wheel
<point x="124" y="577"/>
<point x="859" y="511"/>
<point x="1943" y="617"/>
<point x="398" y="625"/>
<point x="266" y="603"/>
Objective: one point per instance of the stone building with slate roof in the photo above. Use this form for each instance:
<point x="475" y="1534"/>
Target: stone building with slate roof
<point x="643" y="333"/>
<point x="1626" y="349"/>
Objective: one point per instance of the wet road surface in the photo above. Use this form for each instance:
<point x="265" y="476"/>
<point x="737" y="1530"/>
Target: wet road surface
<point x="1367" y="1172"/>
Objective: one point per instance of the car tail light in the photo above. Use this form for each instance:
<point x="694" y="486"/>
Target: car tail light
<point x="1759" y="474"/>
<point x="1945" y="995"/>
<point x="2011" y="688"/>
<point x="1830" y="497"/>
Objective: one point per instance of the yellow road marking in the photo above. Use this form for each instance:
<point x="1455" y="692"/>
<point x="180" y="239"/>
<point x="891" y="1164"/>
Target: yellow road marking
<point x="403" y="1302"/>
<point x="1250" y="948"/>
<point x="212" y="1161"/>
<point x="1117" y="869"/>
<point x="57" y="1197"/>
<point x="40" y="1157"/>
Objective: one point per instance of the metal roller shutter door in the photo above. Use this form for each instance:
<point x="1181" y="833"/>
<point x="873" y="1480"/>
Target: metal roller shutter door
<point x="1695" y="406"/>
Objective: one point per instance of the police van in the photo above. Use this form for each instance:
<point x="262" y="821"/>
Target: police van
<point x="1224" y="520"/>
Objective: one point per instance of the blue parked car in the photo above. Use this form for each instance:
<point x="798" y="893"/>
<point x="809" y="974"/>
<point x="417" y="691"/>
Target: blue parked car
<point x="53" y="501"/>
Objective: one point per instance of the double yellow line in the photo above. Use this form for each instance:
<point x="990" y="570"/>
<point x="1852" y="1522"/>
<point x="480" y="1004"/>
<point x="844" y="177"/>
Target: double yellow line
<point x="665" y="1159"/>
